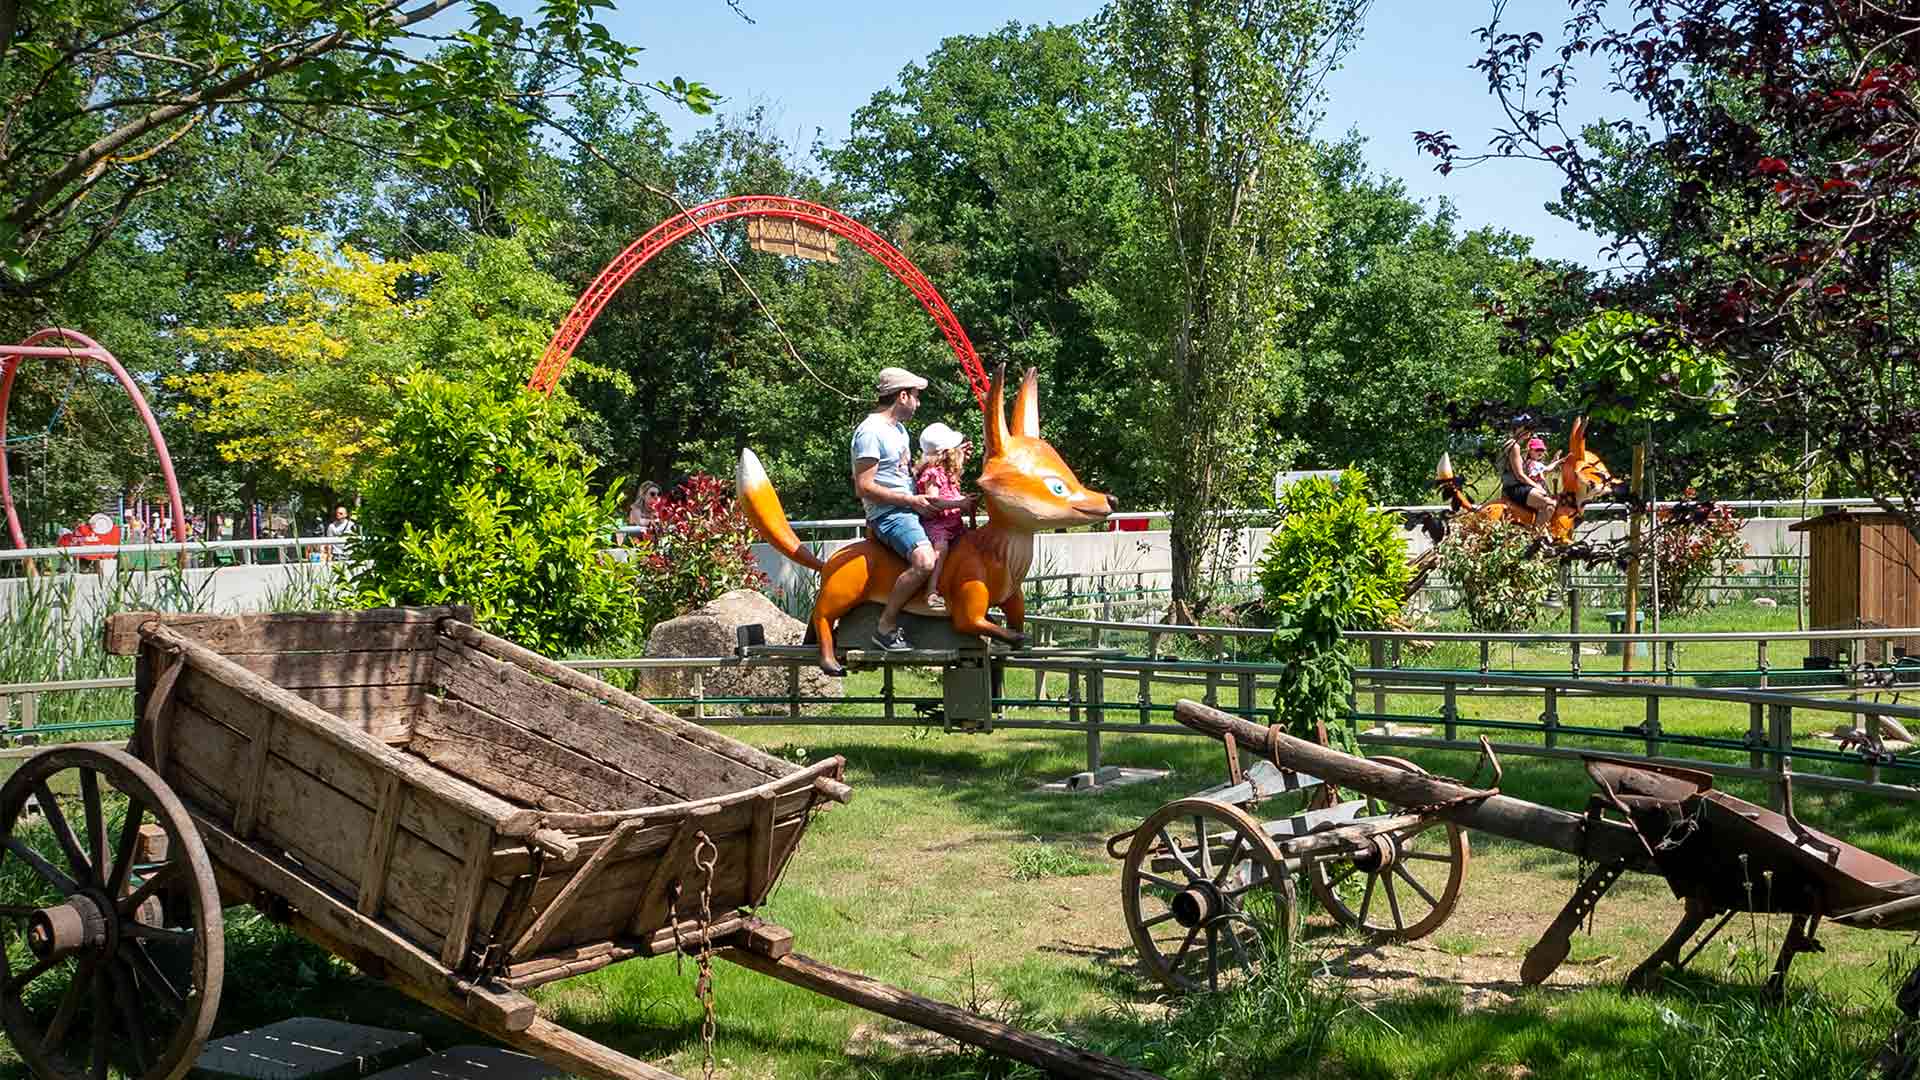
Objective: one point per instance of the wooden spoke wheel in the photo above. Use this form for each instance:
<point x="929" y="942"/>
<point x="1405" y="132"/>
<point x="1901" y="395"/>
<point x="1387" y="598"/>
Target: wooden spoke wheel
<point x="110" y="920"/>
<point x="1406" y="885"/>
<point x="1206" y="894"/>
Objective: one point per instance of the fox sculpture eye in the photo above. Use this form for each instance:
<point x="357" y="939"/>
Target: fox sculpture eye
<point x="1026" y="488"/>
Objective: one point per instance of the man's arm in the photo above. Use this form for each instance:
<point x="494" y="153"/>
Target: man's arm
<point x="866" y="487"/>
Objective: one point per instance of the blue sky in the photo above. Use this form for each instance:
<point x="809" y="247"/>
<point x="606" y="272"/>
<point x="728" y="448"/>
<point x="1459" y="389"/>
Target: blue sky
<point x="813" y="63"/>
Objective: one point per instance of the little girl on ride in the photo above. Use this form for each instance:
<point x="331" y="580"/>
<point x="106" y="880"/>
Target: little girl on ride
<point x="943" y="459"/>
<point x="1538" y="467"/>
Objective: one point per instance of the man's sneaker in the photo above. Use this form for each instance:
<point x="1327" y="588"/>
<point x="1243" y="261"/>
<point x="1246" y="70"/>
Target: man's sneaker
<point x="894" y="640"/>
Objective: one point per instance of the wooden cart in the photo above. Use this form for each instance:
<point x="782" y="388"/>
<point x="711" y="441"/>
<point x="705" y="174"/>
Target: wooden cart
<point x="455" y="815"/>
<point x="1208" y="885"/>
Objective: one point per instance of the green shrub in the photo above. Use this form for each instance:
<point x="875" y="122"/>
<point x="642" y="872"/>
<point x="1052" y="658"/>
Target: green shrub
<point x="1333" y="564"/>
<point x="1690" y="551"/>
<point x="484" y="500"/>
<point x="698" y="547"/>
<point x="1501" y="576"/>
<point x="1329" y="541"/>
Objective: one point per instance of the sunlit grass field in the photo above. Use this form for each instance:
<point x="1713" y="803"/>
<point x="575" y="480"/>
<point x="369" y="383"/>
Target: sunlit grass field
<point x="953" y="873"/>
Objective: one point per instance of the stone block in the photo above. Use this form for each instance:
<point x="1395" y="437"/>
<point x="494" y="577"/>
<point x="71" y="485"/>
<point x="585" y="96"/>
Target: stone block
<point x="711" y="630"/>
<point x="475" y="1063"/>
<point x="306" y="1048"/>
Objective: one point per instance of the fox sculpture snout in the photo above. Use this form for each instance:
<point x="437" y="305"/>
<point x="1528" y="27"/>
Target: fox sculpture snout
<point x="1026" y="488"/>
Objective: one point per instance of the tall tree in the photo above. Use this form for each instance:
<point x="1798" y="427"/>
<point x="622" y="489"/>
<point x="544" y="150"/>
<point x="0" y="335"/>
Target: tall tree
<point x="1000" y="163"/>
<point x="1222" y="96"/>
<point x="1780" y="227"/>
<point x="93" y="98"/>
<point x="1394" y="329"/>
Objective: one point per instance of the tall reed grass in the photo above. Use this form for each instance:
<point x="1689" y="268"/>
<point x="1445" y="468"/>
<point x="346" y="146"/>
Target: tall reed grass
<point x="50" y="631"/>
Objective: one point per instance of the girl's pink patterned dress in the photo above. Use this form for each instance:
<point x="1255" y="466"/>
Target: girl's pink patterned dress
<point x="942" y="525"/>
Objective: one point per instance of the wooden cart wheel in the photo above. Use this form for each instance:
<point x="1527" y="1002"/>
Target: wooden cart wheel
<point x="1407" y="885"/>
<point x="1206" y="894"/>
<point x="114" y="948"/>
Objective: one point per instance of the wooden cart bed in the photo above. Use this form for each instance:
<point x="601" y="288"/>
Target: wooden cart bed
<point x="485" y="808"/>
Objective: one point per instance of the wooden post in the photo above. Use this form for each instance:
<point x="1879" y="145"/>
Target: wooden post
<point x="29" y="716"/>
<point x="1096" y="696"/>
<point x="1377" y="659"/>
<point x="1761" y="660"/>
<point x="886" y="690"/>
<point x="1450" y="710"/>
<point x="1780" y="735"/>
<point x="1633" y="561"/>
<point x="1650" y="727"/>
<point x="699" y="696"/>
<point x="1550" y="718"/>
<point x="793" y="691"/>
<point x="1756" y="735"/>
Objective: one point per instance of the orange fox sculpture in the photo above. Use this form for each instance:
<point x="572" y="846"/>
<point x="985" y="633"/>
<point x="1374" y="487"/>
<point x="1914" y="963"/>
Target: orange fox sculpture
<point x="1583" y="477"/>
<point x="1026" y="487"/>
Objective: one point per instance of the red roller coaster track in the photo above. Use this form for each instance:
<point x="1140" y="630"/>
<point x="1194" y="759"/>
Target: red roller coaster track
<point x="676" y="228"/>
<point x="77" y="346"/>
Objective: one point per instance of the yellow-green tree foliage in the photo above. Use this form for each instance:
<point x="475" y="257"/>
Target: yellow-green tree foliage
<point x="302" y="386"/>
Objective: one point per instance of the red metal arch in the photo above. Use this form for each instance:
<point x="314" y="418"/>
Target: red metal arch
<point x="88" y="349"/>
<point x="664" y="235"/>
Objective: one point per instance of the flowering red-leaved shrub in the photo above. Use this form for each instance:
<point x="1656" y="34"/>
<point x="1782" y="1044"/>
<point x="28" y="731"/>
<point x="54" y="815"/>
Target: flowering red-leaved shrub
<point x="697" y="546"/>
<point x="1694" y="542"/>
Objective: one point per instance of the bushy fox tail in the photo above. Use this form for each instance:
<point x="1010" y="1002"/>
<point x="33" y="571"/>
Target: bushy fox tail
<point x="1450" y="485"/>
<point x="758" y="501"/>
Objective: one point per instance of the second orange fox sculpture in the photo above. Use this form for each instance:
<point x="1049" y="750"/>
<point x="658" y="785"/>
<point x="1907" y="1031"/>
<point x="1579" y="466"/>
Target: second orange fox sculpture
<point x="1027" y="488"/>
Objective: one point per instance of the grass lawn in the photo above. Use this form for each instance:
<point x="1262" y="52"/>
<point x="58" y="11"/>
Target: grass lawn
<point x="952" y="874"/>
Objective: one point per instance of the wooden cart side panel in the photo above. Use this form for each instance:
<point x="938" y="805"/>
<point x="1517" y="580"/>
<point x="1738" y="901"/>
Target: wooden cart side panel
<point x="634" y="744"/>
<point x="545" y="669"/>
<point x="520" y="764"/>
<point x="343" y="744"/>
<point x="610" y="904"/>
<point x="434" y="820"/>
<point x="650" y="840"/>
<point x="317" y="823"/>
<point x="283" y="632"/>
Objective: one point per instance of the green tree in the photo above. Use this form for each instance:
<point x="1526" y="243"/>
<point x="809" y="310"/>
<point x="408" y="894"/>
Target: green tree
<point x="99" y="96"/>
<point x="485" y="500"/>
<point x="1222" y="101"/>
<point x="1394" y="328"/>
<point x="338" y="331"/>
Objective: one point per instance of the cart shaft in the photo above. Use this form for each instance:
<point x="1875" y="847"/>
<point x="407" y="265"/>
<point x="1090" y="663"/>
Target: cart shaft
<point x="1501" y="815"/>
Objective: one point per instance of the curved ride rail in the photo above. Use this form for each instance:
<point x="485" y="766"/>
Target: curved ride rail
<point x="88" y="349"/>
<point x="546" y="375"/>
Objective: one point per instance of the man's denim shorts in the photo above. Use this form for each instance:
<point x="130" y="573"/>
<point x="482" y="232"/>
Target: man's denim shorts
<point x="899" y="529"/>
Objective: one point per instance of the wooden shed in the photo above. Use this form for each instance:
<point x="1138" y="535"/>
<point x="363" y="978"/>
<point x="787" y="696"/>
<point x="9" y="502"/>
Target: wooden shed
<point x="1863" y="571"/>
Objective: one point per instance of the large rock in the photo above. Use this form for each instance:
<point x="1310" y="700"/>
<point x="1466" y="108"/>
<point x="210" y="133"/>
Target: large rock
<point x="711" y="631"/>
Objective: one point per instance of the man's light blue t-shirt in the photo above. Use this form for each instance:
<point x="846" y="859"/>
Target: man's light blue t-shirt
<point x="885" y="440"/>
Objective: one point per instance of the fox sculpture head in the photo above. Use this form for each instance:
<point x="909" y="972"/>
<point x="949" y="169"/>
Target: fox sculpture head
<point x="1026" y="488"/>
<point x="1026" y="484"/>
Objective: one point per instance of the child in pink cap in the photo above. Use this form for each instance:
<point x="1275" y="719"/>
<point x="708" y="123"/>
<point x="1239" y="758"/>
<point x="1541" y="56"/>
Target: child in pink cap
<point x="1538" y="467"/>
<point x="943" y="460"/>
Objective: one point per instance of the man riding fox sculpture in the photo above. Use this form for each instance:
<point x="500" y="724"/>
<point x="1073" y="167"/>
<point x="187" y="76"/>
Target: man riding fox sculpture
<point x="1026" y="488"/>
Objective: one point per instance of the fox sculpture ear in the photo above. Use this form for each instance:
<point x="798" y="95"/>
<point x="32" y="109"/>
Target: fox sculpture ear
<point x="1026" y="407"/>
<point x="1576" y="453"/>
<point x="996" y="417"/>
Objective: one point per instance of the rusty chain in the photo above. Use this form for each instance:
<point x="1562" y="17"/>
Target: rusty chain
<point x="705" y="855"/>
